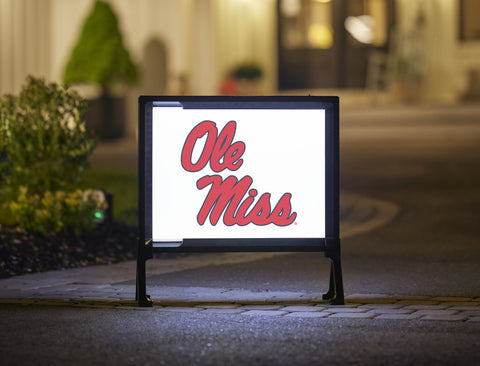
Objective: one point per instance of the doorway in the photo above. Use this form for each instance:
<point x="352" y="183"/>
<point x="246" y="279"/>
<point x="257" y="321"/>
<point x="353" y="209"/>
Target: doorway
<point x="327" y="43"/>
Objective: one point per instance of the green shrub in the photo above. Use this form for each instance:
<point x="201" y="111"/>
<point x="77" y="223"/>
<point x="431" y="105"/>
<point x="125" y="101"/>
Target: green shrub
<point x="57" y="211"/>
<point x="44" y="148"/>
<point x="44" y="138"/>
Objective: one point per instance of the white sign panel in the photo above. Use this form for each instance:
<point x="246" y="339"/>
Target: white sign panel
<point x="237" y="173"/>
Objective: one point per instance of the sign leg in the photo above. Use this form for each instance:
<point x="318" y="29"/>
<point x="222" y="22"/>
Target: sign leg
<point x="335" y="289"/>
<point x="141" y="290"/>
<point x="330" y="294"/>
<point x="336" y="270"/>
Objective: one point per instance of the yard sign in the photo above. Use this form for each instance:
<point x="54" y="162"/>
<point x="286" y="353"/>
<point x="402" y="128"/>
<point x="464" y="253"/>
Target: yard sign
<point x="238" y="174"/>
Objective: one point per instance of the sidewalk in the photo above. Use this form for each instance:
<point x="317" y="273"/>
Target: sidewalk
<point x="358" y="306"/>
<point x="105" y="286"/>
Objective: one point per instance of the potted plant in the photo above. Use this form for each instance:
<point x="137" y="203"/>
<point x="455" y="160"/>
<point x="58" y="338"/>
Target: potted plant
<point x="100" y="58"/>
<point x="243" y="79"/>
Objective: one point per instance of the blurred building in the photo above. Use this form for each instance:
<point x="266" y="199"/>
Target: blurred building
<point x="421" y="50"/>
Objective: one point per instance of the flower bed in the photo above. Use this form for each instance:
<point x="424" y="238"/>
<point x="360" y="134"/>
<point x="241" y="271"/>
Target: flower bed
<point x="28" y="252"/>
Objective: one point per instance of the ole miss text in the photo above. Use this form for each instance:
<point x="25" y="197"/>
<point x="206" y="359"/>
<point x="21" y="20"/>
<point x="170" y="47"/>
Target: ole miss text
<point x="235" y="199"/>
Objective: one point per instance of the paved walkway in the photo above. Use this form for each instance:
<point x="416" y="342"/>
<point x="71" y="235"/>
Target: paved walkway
<point x="458" y="309"/>
<point x="112" y="286"/>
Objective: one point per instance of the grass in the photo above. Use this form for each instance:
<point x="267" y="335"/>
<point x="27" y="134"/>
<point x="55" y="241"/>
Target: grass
<point x="122" y="183"/>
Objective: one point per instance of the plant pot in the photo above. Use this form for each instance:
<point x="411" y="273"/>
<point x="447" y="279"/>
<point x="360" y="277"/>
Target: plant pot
<point x="106" y="116"/>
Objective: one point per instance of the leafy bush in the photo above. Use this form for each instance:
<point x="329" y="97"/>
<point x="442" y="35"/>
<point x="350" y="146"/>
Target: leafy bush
<point x="44" y="147"/>
<point x="44" y="137"/>
<point x="57" y="211"/>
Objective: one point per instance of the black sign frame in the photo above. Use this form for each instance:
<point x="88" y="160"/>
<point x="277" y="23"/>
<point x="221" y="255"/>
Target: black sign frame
<point x="330" y="245"/>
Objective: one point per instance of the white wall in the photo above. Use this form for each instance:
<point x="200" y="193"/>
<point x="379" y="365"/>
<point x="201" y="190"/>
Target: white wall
<point x="448" y="60"/>
<point x="442" y="74"/>
<point x="246" y="30"/>
<point x="25" y="42"/>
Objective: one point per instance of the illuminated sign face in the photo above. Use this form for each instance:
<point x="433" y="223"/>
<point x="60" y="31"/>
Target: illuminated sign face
<point x="237" y="173"/>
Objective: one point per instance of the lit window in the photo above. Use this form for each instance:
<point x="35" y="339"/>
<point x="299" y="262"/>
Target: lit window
<point x="367" y="21"/>
<point x="306" y="23"/>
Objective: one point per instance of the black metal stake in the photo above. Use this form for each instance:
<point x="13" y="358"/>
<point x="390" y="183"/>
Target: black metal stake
<point x="331" y="288"/>
<point x="141" y="291"/>
<point x="335" y="289"/>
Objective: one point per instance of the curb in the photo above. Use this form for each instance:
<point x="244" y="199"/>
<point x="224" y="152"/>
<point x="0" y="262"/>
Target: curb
<point x="380" y="307"/>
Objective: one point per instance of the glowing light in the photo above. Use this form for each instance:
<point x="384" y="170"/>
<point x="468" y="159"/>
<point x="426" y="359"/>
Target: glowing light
<point x="99" y="215"/>
<point x="320" y="36"/>
<point x="361" y="28"/>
